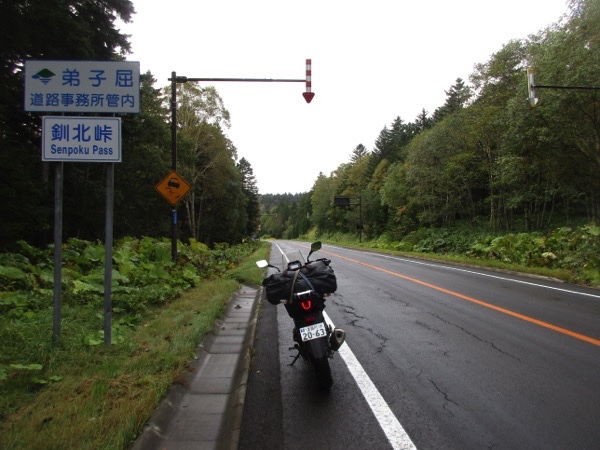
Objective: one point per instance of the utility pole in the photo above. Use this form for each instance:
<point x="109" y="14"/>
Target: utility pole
<point x="175" y="79"/>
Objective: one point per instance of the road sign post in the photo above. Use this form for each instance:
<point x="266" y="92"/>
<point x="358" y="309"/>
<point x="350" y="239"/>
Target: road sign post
<point x="74" y="87"/>
<point x="345" y="202"/>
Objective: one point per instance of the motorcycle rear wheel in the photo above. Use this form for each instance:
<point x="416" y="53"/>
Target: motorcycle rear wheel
<point x="322" y="371"/>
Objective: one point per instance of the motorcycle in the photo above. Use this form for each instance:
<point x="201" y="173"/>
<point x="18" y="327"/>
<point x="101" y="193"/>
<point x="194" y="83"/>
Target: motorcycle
<point x="302" y="287"/>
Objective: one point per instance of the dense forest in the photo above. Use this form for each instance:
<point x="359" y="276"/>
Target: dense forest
<point x="485" y="158"/>
<point x="223" y="204"/>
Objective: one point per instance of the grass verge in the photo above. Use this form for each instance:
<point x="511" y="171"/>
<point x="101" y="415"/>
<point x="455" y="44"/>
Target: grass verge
<point x="102" y="396"/>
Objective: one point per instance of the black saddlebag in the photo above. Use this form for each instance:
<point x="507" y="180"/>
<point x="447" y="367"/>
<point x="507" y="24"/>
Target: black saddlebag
<point x="279" y="286"/>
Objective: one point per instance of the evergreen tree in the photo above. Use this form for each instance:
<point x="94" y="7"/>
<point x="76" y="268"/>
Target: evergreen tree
<point x="53" y="30"/>
<point x="456" y="99"/>
<point x="358" y="153"/>
<point x="251" y="192"/>
<point x="423" y="121"/>
<point x="383" y="146"/>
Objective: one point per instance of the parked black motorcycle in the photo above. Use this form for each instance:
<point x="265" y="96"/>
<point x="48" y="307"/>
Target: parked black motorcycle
<point x="302" y="288"/>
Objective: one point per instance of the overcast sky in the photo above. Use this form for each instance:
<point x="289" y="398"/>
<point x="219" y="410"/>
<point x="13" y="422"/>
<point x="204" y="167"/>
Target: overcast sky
<point x="372" y="61"/>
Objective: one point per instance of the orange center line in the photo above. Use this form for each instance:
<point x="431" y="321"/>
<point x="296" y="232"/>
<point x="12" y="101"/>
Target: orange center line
<point x="540" y="323"/>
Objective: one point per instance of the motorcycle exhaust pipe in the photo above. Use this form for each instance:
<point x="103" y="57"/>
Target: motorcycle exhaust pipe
<point x="337" y="338"/>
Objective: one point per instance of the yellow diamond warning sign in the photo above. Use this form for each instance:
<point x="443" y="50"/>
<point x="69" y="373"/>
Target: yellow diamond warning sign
<point x="173" y="187"/>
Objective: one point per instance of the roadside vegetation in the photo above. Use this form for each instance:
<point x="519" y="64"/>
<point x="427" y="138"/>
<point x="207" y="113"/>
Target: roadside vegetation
<point x="484" y="179"/>
<point x="570" y="254"/>
<point x="77" y="392"/>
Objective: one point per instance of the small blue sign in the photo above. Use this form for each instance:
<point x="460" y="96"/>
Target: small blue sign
<point x="88" y="139"/>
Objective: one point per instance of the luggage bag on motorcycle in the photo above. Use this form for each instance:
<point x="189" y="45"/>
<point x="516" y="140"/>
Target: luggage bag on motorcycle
<point x="278" y="286"/>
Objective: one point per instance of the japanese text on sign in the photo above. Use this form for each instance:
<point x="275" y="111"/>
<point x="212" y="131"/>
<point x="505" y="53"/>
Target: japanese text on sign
<point x="82" y="86"/>
<point x="92" y="139"/>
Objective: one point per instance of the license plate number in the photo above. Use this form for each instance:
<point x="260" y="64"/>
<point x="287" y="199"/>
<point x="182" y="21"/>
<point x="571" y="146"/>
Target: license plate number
<point x="313" y="331"/>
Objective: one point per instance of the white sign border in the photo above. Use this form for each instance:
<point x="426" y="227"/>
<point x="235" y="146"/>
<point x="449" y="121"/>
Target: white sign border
<point x="47" y="138"/>
<point x="32" y="86"/>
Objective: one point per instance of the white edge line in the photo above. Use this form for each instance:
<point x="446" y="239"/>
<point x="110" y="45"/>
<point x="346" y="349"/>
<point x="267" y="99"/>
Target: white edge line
<point x="390" y="425"/>
<point x="395" y="433"/>
<point x="498" y="277"/>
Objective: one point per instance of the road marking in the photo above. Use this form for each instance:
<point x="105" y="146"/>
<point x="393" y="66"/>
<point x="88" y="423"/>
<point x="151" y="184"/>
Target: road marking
<point x="529" y="283"/>
<point x="508" y="312"/>
<point x="458" y="269"/>
<point x="390" y="425"/>
<point x="395" y="433"/>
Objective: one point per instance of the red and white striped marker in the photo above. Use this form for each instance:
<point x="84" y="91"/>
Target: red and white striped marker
<point x="308" y="95"/>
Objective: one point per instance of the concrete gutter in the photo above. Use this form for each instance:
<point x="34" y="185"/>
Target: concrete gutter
<point x="205" y="412"/>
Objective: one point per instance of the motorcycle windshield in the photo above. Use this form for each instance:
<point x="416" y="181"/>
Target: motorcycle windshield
<point x="292" y="256"/>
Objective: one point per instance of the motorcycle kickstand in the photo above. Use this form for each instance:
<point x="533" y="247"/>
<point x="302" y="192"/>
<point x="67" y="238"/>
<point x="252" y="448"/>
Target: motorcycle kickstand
<point x="295" y="347"/>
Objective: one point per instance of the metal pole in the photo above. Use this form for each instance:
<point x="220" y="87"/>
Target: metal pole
<point x="308" y="95"/>
<point x="58" y="212"/>
<point x="360" y="222"/>
<point x="108" y="246"/>
<point x="183" y="79"/>
<point x="174" y="162"/>
<point x="550" y="86"/>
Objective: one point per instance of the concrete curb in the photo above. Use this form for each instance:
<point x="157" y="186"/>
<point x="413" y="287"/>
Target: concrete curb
<point x="205" y="412"/>
<point x="231" y="427"/>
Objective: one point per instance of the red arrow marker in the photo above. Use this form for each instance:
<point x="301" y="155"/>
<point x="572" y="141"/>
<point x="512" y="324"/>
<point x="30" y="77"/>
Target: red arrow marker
<point x="308" y="96"/>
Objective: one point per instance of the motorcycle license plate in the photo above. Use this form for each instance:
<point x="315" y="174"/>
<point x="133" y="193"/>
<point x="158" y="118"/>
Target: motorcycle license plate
<point x="313" y="331"/>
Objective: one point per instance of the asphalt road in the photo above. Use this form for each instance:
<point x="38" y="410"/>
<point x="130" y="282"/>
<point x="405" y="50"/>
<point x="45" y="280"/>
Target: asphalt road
<point x="437" y="356"/>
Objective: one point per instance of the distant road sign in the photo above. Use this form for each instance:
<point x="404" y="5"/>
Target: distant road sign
<point x="173" y="187"/>
<point x="341" y="201"/>
<point x="89" y="139"/>
<point x="82" y="86"/>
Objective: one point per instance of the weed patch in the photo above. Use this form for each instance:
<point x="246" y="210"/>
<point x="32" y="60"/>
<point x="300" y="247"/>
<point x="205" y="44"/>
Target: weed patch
<point x="78" y="393"/>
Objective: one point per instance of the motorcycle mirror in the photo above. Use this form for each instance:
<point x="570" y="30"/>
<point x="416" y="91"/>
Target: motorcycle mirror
<point x="264" y="263"/>
<point x="315" y="246"/>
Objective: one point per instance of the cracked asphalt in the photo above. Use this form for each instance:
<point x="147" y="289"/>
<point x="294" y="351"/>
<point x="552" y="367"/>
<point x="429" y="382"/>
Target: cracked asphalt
<point x="462" y="358"/>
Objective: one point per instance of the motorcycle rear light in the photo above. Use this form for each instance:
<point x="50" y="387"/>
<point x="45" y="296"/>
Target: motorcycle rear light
<point x="309" y="319"/>
<point x="306" y="304"/>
